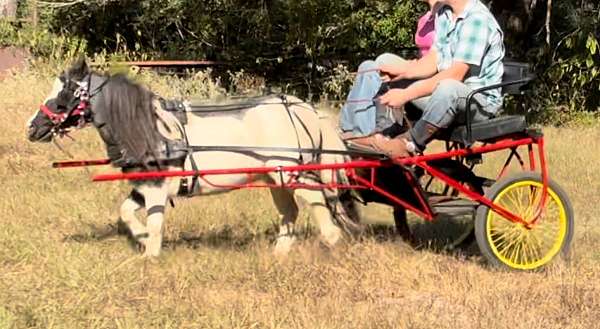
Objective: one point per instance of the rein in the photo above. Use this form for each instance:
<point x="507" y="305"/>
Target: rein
<point x="218" y="108"/>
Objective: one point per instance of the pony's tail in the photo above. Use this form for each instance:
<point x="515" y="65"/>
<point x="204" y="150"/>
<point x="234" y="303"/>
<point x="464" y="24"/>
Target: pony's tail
<point x="346" y="214"/>
<point x="343" y="204"/>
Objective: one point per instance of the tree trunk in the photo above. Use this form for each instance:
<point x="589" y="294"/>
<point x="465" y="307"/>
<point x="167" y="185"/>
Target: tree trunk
<point x="8" y="9"/>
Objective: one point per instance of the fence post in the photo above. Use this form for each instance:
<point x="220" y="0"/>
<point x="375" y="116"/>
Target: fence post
<point x="8" y="9"/>
<point x="34" y="13"/>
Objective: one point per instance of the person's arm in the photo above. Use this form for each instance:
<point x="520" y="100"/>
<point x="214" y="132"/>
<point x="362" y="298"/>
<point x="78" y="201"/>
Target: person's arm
<point x="422" y="68"/>
<point x="468" y="54"/>
<point x="398" y="97"/>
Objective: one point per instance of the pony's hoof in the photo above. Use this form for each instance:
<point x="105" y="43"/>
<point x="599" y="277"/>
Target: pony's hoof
<point x="283" y="246"/>
<point x="141" y="248"/>
<point x="153" y="245"/>
<point x="139" y="242"/>
<point x="123" y="229"/>
<point x="332" y="238"/>
<point x="149" y="253"/>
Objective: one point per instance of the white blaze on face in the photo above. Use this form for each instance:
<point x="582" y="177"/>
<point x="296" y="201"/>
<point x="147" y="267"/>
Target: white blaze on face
<point x="56" y="88"/>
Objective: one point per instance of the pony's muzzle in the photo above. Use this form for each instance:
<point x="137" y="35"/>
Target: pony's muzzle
<point x="39" y="134"/>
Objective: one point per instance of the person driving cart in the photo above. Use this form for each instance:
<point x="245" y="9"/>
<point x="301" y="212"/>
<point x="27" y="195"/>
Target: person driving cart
<point x="362" y="114"/>
<point x="466" y="55"/>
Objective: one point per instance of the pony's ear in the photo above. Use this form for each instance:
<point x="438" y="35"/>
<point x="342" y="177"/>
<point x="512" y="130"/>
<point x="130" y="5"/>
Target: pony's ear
<point x="79" y="69"/>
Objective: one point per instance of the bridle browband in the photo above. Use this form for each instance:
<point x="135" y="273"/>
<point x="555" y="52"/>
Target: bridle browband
<point x="82" y="110"/>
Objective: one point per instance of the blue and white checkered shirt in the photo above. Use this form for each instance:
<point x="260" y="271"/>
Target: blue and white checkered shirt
<point x="474" y="38"/>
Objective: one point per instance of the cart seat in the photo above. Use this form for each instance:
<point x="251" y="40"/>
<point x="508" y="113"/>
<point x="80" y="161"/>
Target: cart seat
<point x="489" y="129"/>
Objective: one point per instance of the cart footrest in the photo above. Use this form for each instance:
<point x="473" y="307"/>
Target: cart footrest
<point x="364" y="151"/>
<point x="452" y="206"/>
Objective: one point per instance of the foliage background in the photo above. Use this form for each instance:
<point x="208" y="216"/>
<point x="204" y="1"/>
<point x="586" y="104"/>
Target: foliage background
<point x="310" y="46"/>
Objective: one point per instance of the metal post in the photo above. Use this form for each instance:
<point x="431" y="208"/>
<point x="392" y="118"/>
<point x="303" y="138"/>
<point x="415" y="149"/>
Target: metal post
<point x="34" y="13"/>
<point x="8" y="9"/>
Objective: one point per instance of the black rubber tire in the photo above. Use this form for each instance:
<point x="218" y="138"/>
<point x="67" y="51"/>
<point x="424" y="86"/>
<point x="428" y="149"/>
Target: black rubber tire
<point x="482" y="217"/>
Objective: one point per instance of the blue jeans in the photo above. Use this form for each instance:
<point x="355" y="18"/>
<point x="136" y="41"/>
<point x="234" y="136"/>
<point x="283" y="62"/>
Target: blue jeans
<point x="360" y="115"/>
<point x="448" y="102"/>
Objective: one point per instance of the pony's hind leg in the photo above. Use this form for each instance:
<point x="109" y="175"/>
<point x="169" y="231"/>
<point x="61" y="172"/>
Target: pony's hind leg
<point x="315" y="199"/>
<point x="133" y="227"/>
<point x="288" y="212"/>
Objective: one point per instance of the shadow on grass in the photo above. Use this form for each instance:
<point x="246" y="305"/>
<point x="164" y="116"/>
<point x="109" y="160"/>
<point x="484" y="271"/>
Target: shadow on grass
<point x="224" y="237"/>
<point x="443" y="235"/>
<point x="435" y="236"/>
<point x="96" y="233"/>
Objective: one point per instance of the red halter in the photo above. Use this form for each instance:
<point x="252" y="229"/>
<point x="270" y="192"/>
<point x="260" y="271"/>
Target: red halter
<point x="58" y="118"/>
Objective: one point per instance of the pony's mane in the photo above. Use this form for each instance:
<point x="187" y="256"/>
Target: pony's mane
<point x="130" y="116"/>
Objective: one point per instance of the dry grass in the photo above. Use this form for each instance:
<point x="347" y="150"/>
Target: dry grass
<point x="62" y="266"/>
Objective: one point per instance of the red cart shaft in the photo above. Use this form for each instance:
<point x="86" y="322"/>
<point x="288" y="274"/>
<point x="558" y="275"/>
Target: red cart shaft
<point x="149" y="175"/>
<point x="80" y="163"/>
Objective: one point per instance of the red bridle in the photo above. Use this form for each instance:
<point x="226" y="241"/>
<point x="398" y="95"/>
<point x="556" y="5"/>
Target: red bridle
<point x="58" y="118"/>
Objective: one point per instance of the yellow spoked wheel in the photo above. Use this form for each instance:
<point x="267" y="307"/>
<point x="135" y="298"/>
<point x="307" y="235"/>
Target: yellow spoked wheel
<point x="513" y="245"/>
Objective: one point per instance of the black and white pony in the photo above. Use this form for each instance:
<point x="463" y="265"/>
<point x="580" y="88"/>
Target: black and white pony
<point x="141" y="135"/>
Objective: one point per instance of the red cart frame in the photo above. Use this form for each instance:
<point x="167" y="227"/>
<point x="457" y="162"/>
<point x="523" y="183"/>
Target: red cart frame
<point x="360" y="182"/>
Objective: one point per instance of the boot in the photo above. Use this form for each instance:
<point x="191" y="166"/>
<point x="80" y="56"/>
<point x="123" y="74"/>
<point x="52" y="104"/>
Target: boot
<point x="378" y="143"/>
<point x="422" y="133"/>
<point x="397" y="147"/>
<point x="403" y="145"/>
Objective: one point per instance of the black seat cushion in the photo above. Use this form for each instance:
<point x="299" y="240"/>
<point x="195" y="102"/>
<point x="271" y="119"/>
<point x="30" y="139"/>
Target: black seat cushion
<point x="489" y="129"/>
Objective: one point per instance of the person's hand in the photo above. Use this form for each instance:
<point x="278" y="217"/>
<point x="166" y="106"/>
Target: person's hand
<point x="394" y="98"/>
<point x="394" y="72"/>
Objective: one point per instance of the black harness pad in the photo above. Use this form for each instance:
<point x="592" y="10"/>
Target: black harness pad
<point x="176" y="107"/>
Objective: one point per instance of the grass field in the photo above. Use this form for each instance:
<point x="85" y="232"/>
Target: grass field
<point x="63" y="266"/>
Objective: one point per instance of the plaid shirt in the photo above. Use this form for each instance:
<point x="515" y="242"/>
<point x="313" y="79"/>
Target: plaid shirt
<point x="474" y="38"/>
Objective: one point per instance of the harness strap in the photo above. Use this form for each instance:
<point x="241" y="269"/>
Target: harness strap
<point x="190" y="155"/>
<point x="254" y="149"/>
<point x="312" y="141"/>
<point x="159" y="209"/>
<point x="56" y="118"/>
<point x="137" y="197"/>
<point x="287" y="109"/>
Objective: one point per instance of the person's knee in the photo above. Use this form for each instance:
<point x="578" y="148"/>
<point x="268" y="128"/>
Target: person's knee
<point x="447" y="88"/>
<point x="389" y="59"/>
<point x="383" y="57"/>
<point x="367" y="65"/>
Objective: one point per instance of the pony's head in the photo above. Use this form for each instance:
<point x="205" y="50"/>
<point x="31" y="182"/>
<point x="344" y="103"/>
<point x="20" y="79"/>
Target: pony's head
<point x="121" y="110"/>
<point x="65" y="107"/>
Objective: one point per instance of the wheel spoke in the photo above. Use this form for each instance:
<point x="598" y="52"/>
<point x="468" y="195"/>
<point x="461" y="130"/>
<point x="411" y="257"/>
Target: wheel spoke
<point x="513" y="253"/>
<point x="540" y="247"/>
<point x="508" y="237"/>
<point x="526" y="252"/>
<point x="515" y="204"/>
<point x="511" y="243"/>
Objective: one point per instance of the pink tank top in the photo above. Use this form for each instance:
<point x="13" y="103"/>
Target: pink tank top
<point x="425" y="33"/>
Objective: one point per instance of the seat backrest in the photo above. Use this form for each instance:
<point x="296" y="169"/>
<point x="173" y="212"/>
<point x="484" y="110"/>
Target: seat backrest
<point x="514" y="71"/>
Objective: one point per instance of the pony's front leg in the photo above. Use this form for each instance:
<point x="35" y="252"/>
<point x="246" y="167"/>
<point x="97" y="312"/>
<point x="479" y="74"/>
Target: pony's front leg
<point x="133" y="227"/>
<point x="156" y="199"/>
